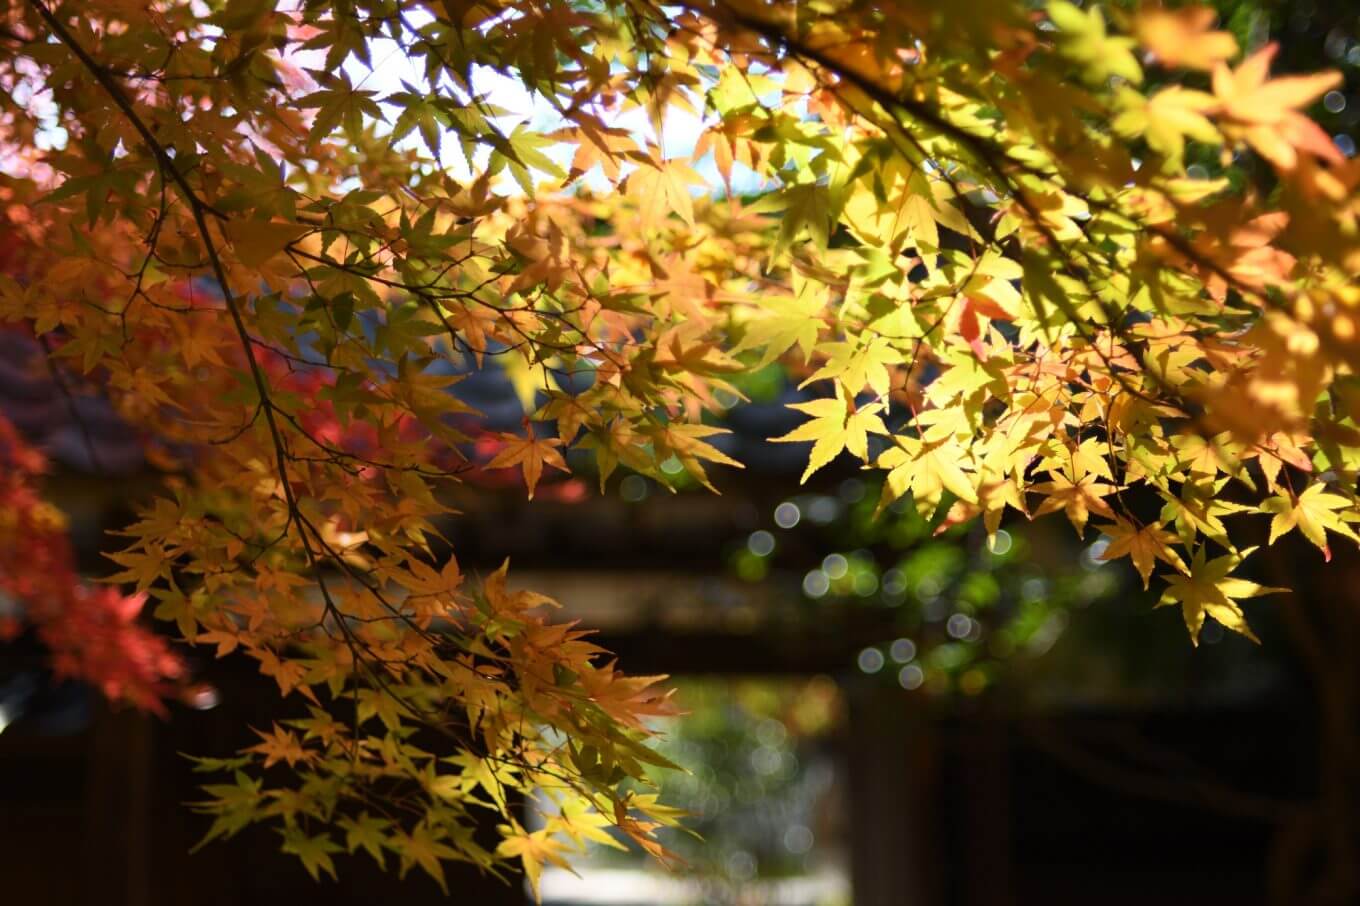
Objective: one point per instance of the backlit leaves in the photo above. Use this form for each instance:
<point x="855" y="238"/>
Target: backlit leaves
<point x="1209" y="590"/>
<point x="836" y="425"/>
<point x="1313" y="512"/>
<point x="1086" y="41"/>
<point x="1184" y="37"/>
<point x="971" y="245"/>
<point x="533" y="850"/>
<point x="531" y="454"/>
<point x="1266" y="113"/>
<point x="1144" y="545"/>
<point x="926" y="469"/>
<point x="1167" y="119"/>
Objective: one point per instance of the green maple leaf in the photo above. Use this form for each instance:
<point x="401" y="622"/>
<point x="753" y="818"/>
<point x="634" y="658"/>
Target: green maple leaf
<point x="366" y="831"/>
<point x="313" y="851"/>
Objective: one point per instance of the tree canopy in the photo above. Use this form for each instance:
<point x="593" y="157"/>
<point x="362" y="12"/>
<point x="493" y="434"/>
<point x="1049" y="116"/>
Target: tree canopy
<point x="1025" y="256"/>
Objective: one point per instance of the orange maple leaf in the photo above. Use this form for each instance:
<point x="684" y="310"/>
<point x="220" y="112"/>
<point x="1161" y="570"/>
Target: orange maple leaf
<point x="531" y="454"/>
<point x="1266" y="112"/>
<point x="1181" y="37"/>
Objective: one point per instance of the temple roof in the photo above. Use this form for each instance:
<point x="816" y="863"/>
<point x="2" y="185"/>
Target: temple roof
<point x="76" y="428"/>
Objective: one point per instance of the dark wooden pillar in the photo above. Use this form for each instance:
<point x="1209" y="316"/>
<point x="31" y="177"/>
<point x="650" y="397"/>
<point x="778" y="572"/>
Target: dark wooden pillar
<point x="892" y="762"/>
<point x="984" y="756"/>
<point x="117" y="868"/>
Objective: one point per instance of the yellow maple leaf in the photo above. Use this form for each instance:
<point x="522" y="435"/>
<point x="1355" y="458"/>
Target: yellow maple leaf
<point x="1086" y="42"/>
<point x="423" y="847"/>
<point x="779" y="323"/>
<point x="1167" y="119"/>
<point x="835" y="425"/>
<point x="1143" y="544"/>
<point x="313" y="851"/>
<point x="1209" y="590"/>
<point x="663" y="189"/>
<point x="1313" y="512"/>
<point x="926" y="468"/>
<point x="685" y="441"/>
<point x="533" y="848"/>
<point x="1079" y="499"/>
<point x="857" y="364"/>
<point x="581" y="821"/>
<point x="368" y="832"/>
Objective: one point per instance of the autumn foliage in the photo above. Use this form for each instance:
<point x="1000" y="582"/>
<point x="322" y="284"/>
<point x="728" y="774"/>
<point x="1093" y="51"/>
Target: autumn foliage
<point x="1091" y="261"/>
<point x="91" y="630"/>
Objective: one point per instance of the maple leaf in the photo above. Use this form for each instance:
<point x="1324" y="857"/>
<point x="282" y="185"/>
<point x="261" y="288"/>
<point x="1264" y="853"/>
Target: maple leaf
<point x="600" y="144"/>
<point x="366" y="831"/>
<point x="1078" y="499"/>
<point x="642" y="832"/>
<point x="1275" y="452"/>
<point x="1312" y="512"/>
<point x="901" y="205"/>
<point x="508" y="603"/>
<point x="1183" y="37"/>
<point x="1143" y="544"/>
<point x="685" y="441"/>
<point x="1199" y="509"/>
<point x="582" y="822"/>
<point x="973" y="312"/>
<point x="257" y="241"/>
<point x="856" y="364"/>
<point x="314" y="851"/>
<point x="423" y="846"/>
<point x="664" y="189"/>
<point x="233" y="804"/>
<point x="803" y="207"/>
<point x="1209" y="589"/>
<point x="1267" y="110"/>
<point x="1090" y="457"/>
<point x="926" y="469"/>
<point x="1085" y="41"/>
<point x="1167" y="119"/>
<point x="533" y="849"/>
<point x="529" y="453"/>
<point x="423" y="579"/>
<point x="995" y="493"/>
<point x="496" y="779"/>
<point x="781" y="322"/>
<point x="836" y="425"/>
<point x="628" y="698"/>
<point x="142" y="567"/>
<point x="280" y="745"/>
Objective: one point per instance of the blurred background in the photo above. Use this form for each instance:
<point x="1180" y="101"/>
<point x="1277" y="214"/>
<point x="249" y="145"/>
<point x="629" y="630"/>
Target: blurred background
<point x="879" y="712"/>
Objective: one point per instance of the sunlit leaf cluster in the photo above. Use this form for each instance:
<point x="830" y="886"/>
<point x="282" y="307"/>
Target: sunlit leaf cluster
<point x="968" y="227"/>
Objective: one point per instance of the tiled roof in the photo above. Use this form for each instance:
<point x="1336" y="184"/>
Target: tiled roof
<point x="79" y="431"/>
